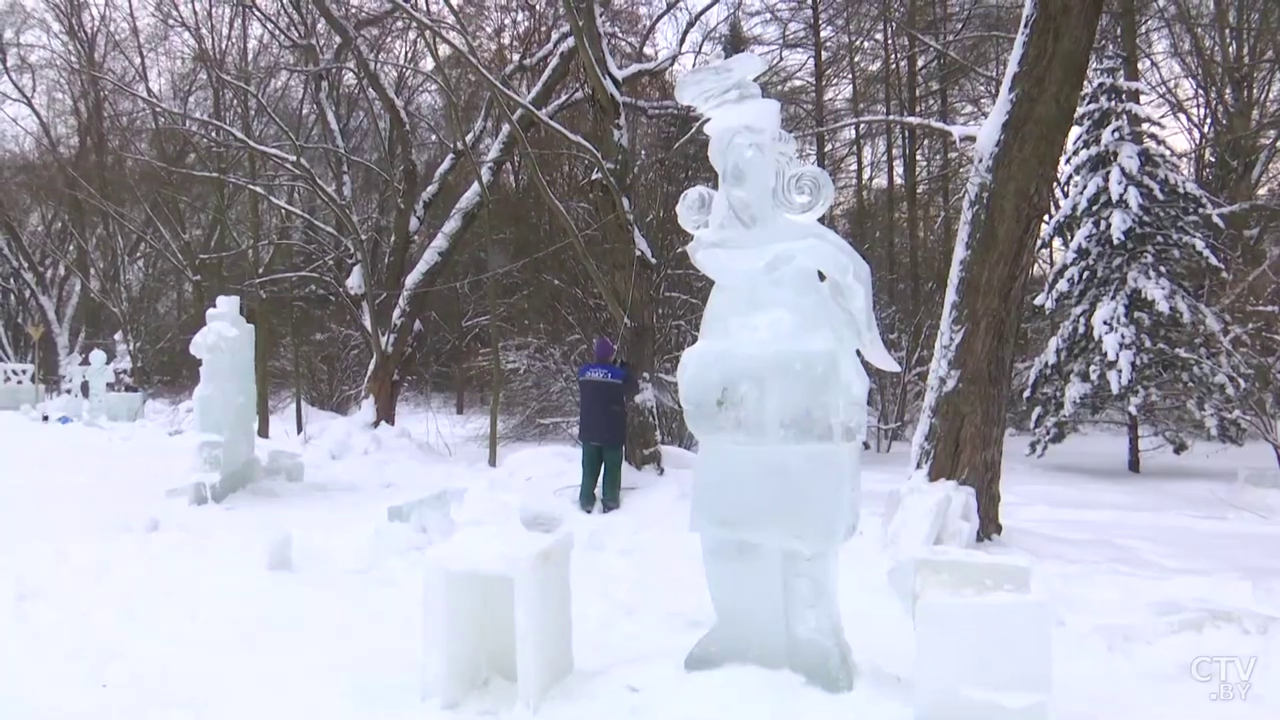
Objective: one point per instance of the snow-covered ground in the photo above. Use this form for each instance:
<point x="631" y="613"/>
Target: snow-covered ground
<point x="118" y="603"/>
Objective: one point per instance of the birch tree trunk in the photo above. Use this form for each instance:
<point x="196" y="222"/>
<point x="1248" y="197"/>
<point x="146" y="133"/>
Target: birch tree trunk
<point x="962" y="424"/>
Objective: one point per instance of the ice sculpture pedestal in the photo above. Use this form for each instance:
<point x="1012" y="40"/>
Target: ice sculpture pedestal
<point x="497" y="603"/>
<point x="983" y="641"/>
<point x="943" y="570"/>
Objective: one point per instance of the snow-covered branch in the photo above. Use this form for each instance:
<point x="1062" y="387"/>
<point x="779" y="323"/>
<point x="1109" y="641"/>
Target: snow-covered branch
<point x="959" y="133"/>
<point x="468" y="203"/>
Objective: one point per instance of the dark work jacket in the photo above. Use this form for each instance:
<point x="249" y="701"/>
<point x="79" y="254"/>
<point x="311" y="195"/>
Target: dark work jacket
<point x="603" y="389"/>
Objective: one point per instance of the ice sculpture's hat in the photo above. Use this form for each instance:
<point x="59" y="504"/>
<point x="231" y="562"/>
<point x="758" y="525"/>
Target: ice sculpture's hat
<point x="727" y="95"/>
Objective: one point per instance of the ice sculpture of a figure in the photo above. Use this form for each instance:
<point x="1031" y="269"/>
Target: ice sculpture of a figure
<point x="773" y="388"/>
<point x="226" y="397"/>
<point x="98" y="375"/>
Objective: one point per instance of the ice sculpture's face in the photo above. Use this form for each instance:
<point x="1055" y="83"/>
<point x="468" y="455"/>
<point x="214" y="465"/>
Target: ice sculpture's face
<point x="747" y="165"/>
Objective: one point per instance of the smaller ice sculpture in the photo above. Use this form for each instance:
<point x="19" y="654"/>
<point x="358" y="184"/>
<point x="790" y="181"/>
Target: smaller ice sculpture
<point x="431" y="515"/>
<point x="280" y="553"/>
<point x="17" y="381"/>
<point x="71" y="400"/>
<point x="919" y="514"/>
<point x="98" y="375"/>
<point x="72" y="375"/>
<point x="123" y="362"/>
<point x="773" y="388"/>
<point x="226" y="398"/>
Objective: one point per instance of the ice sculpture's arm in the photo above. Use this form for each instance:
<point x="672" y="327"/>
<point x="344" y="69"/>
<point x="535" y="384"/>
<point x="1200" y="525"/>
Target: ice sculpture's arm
<point x="849" y="285"/>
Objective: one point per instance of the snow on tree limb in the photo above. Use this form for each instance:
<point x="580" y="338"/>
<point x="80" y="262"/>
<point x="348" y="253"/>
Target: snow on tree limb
<point x="464" y="209"/>
<point x="959" y="133"/>
<point x="605" y="79"/>
<point x="543" y="118"/>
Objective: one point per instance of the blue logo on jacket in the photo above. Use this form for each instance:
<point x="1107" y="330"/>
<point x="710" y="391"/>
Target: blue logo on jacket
<point x="602" y="371"/>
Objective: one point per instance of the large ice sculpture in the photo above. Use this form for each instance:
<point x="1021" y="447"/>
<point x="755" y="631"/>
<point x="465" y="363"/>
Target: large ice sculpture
<point x="773" y="388"/>
<point x="226" y="397"/>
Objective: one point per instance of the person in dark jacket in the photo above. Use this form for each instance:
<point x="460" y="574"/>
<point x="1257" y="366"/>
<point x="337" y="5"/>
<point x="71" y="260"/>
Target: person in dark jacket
<point x="603" y="389"/>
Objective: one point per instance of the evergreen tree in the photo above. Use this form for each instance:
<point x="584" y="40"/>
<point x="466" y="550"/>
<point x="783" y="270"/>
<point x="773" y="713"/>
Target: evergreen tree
<point x="1132" y="337"/>
<point x="735" y="37"/>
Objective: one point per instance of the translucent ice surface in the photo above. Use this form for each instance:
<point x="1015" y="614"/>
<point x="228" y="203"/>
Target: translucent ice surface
<point x="774" y="389"/>
<point x="226" y="397"/>
<point x="985" y="657"/>
<point x="497" y="603"/>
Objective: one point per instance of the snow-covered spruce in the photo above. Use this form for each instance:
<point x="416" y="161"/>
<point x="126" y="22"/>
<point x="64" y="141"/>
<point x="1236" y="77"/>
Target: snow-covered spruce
<point x="1131" y="338"/>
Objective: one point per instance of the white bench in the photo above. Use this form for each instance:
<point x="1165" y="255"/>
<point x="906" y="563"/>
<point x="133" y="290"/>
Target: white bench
<point x="497" y="604"/>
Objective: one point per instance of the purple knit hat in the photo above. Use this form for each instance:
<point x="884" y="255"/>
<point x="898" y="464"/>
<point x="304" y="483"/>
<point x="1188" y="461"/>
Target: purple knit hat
<point x="604" y="349"/>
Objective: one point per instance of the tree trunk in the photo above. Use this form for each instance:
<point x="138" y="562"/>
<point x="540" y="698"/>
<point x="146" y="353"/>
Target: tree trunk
<point x="911" y="179"/>
<point x="819" y="84"/>
<point x="460" y="365"/>
<point x="262" y="332"/>
<point x="859" y="143"/>
<point x="384" y="387"/>
<point x="941" y="17"/>
<point x="297" y="367"/>
<point x="1128" y="12"/>
<point x="963" y="422"/>
<point x="257" y="315"/>
<point x="495" y="398"/>
<point x="1135" y="447"/>
<point x="890" y="191"/>
<point x="631" y="268"/>
<point x="495" y="341"/>
<point x="460" y="386"/>
<point x="642" y="448"/>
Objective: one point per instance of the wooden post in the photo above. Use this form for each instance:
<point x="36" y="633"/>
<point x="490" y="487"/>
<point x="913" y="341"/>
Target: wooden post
<point x="36" y="332"/>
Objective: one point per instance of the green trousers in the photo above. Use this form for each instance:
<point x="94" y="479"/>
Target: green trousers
<point x="595" y="457"/>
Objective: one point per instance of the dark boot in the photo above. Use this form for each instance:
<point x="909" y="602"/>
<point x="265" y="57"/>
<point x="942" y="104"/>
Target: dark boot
<point x="611" y="497"/>
<point x="593" y="457"/>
